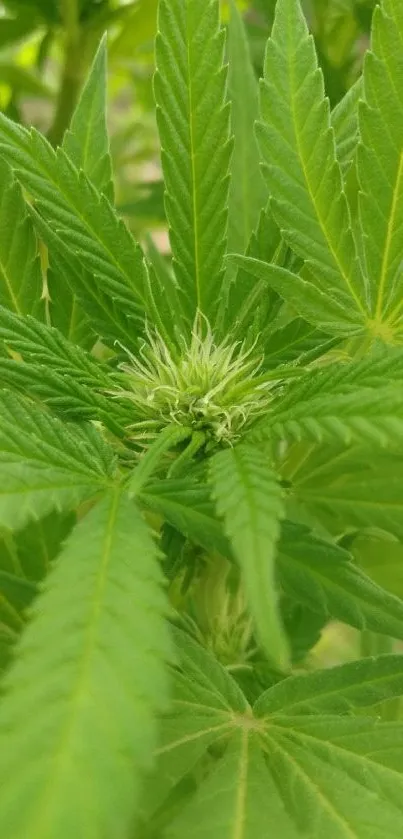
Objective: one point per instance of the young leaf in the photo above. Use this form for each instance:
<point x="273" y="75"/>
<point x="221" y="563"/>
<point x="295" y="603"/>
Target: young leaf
<point x="86" y="142"/>
<point x="20" y="271"/>
<point x="339" y="690"/>
<point x="314" y="305"/>
<point x="77" y="722"/>
<point x="193" y="119"/>
<point x="380" y="163"/>
<point x="80" y="224"/>
<point x="249" y="498"/>
<point x="322" y="575"/>
<point x="46" y="464"/>
<point x="248" y="193"/>
<point x="297" y="145"/>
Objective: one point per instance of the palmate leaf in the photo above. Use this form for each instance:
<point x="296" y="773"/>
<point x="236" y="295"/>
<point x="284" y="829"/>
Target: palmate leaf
<point x="248" y="192"/>
<point x="322" y="576"/>
<point x="20" y="271"/>
<point x="80" y="224"/>
<point x="380" y="163"/>
<point x="46" y="464"/>
<point x="297" y="144"/>
<point x="249" y="499"/>
<point x="83" y="727"/>
<point x="240" y="767"/>
<point x="193" y="119"/>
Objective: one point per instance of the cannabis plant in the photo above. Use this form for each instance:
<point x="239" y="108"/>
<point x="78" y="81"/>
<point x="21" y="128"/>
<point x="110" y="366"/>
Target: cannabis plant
<point x="197" y="459"/>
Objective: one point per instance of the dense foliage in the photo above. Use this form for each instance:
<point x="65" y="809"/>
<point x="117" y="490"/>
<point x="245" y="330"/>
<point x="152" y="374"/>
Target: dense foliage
<point x="201" y="459"/>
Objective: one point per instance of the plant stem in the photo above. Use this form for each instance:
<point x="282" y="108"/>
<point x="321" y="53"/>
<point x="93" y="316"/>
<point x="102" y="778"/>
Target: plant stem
<point x="73" y="71"/>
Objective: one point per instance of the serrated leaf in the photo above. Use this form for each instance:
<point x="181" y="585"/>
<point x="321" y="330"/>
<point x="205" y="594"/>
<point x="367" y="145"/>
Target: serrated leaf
<point x="297" y="144"/>
<point x="248" y="774"/>
<point x="329" y="791"/>
<point x="249" y="499"/>
<point x="46" y="464"/>
<point x="64" y="376"/>
<point x="380" y="162"/>
<point x="238" y="800"/>
<point x="248" y="192"/>
<point x="338" y="690"/>
<point x="81" y="224"/>
<point x="86" y="142"/>
<point x="247" y="306"/>
<point x="20" y="272"/>
<point x="344" y="119"/>
<point x="315" y="305"/>
<point x="193" y="118"/>
<point x="102" y="682"/>
<point x="187" y="506"/>
<point x="367" y="415"/>
<point x="322" y="575"/>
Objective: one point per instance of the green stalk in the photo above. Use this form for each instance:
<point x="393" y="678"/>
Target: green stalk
<point x="73" y="70"/>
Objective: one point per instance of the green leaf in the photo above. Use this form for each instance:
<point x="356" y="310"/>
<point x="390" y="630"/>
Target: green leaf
<point x="348" y="489"/>
<point x="16" y="590"/>
<point x="248" y="306"/>
<point x="80" y="224"/>
<point x="316" y="306"/>
<point x="297" y="144"/>
<point x="64" y="376"/>
<point x="322" y="575"/>
<point x="63" y="277"/>
<point x="46" y="464"/>
<point x="381" y="557"/>
<point x="380" y="163"/>
<point x="87" y="145"/>
<point x="193" y="119"/>
<point x="187" y="506"/>
<point x="366" y="415"/>
<point x="248" y="193"/>
<point x="247" y="773"/>
<point x="344" y="119"/>
<point x="332" y="785"/>
<point x="83" y="729"/>
<point x="86" y="142"/>
<point x="249" y="499"/>
<point x="339" y="690"/>
<point x="20" y="272"/>
<point x="237" y="799"/>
